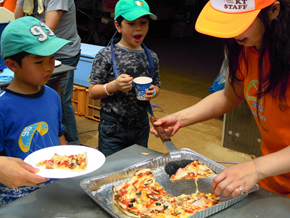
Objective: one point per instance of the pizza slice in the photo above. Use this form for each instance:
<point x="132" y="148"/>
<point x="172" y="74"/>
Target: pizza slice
<point x="77" y="163"/>
<point x="194" y="170"/>
<point x="182" y="206"/>
<point x="186" y="205"/>
<point x="139" y="194"/>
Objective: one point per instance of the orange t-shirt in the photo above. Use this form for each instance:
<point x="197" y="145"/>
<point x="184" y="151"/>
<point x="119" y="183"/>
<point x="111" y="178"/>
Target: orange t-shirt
<point x="272" y="123"/>
<point x="9" y="4"/>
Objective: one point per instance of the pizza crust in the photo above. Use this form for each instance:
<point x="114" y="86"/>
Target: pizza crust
<point x="121" y="206"/>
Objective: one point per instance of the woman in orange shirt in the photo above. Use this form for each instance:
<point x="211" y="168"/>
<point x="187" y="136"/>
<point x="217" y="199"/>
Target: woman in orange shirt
<point x="257" y="34"/>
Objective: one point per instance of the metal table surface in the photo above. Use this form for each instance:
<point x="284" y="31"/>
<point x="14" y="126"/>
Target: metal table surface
<point x="65" y="198"/>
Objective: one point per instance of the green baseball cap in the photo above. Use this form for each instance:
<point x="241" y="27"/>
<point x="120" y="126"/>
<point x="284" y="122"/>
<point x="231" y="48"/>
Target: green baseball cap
<point x="30" y="35"/>
<point x="132" y="10"/>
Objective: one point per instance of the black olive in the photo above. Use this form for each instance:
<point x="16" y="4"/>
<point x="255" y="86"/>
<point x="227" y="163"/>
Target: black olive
<point x="138" y="193"/>
<point x="133" y="200"/>
<point x="158" y="204"/>
<point x="130" y="205"/>
<point x="165" y="207"/>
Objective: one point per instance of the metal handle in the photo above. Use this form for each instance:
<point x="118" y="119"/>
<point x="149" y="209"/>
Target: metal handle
<point x="174" y="152"/>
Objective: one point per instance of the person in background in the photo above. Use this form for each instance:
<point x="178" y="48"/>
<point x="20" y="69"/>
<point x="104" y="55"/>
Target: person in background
<point x="60" y="16"/>
<point x="8" y="4"/>
<point x="124" y="120"/>
<point x="30" y="112"/>
<point x="258" y="52"/>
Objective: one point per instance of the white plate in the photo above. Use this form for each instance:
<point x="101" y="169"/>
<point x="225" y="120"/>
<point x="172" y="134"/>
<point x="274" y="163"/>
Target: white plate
<point x="57" y="63"/>
<point x="94" y="157"/>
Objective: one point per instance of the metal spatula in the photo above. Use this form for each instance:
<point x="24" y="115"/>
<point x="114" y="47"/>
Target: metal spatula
<point x="174" y="165"/>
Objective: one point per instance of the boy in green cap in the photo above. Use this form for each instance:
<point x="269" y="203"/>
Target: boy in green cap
<point x="124" y="120"/>
<point x="30" y="112"/>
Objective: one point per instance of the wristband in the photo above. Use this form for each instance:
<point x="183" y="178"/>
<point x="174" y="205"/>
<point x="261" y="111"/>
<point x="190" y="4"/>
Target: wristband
<point x="105" y="89"/>
<point x="257" y="170"/>
<point x="154" y="92"/>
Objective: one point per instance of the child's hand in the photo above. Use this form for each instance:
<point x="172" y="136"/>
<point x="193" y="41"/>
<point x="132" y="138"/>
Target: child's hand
<point x="124" y="83"/>
<point x="150" y="93"/>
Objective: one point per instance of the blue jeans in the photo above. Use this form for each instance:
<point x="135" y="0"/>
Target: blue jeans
<point x="68" y="112"/>
<point x="117" y="133"/>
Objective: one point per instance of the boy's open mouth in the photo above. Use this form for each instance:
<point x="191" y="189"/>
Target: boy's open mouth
<point x="137" y="37"/>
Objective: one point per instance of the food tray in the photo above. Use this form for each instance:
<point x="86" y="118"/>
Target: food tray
<point x="99" y="188"/>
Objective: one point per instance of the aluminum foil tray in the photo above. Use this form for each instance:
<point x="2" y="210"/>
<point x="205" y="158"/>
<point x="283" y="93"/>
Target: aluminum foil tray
<point x="99" y="188"/>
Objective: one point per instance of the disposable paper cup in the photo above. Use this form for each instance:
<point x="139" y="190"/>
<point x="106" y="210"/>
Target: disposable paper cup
<point x="142" y="84"/>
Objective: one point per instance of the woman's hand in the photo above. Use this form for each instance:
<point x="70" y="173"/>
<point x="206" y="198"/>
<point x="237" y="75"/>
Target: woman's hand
<point x="170" y="124"/>
<point x="235" y="180"/>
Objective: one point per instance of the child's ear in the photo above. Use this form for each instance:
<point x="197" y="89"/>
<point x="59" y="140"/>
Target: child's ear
<point x="12" y="65"/>
<point x="118" y="27"/>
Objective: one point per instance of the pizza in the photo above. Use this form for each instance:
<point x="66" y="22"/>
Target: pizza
<point x="77" y="163"/>
<point x="142" y="196"/>
<point x="194" y="170"/>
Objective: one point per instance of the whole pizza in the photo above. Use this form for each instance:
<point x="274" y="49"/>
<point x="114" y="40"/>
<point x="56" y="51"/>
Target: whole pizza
<point x="142" y="196"/>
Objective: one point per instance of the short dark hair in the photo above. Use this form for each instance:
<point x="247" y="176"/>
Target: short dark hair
<point x="121" y="18"/>
<point x="18" y="57"/>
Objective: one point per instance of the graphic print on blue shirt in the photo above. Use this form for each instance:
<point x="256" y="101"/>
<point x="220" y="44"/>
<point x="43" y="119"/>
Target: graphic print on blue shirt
<point x="28" y="133"/>
<point x="29" y="122"/>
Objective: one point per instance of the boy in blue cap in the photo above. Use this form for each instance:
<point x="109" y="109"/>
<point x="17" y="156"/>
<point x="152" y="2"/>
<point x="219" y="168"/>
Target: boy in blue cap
<point x="30" y="112"/>
<point x="124" y="120"/>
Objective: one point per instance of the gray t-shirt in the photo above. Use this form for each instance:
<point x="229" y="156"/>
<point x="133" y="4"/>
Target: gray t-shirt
<point x="131" y="62"/>
<point x="66" y="28"/>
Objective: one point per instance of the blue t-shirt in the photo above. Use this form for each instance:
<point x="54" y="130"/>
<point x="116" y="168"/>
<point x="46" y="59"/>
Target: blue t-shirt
<point x="28" y="123"/>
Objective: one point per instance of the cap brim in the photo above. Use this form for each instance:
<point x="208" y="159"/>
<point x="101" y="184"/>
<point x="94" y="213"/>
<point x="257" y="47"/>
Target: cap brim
<point x="223" y="25"/>
<point x="133" y="15"/>
<point x="49" y="47"/>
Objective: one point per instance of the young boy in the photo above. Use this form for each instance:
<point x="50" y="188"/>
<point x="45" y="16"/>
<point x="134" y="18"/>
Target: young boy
<point x="60" y="17"/>
<point x="124" y="120"/>
<point x="30" y="112"/>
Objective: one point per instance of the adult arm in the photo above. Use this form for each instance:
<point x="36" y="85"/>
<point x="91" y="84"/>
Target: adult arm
<point x="15" y="173"/>
<point x="212" y="106"/>
<point x="245" y="175"/>
<point x="18" y="11"/>
<point x="52" y="19"/>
